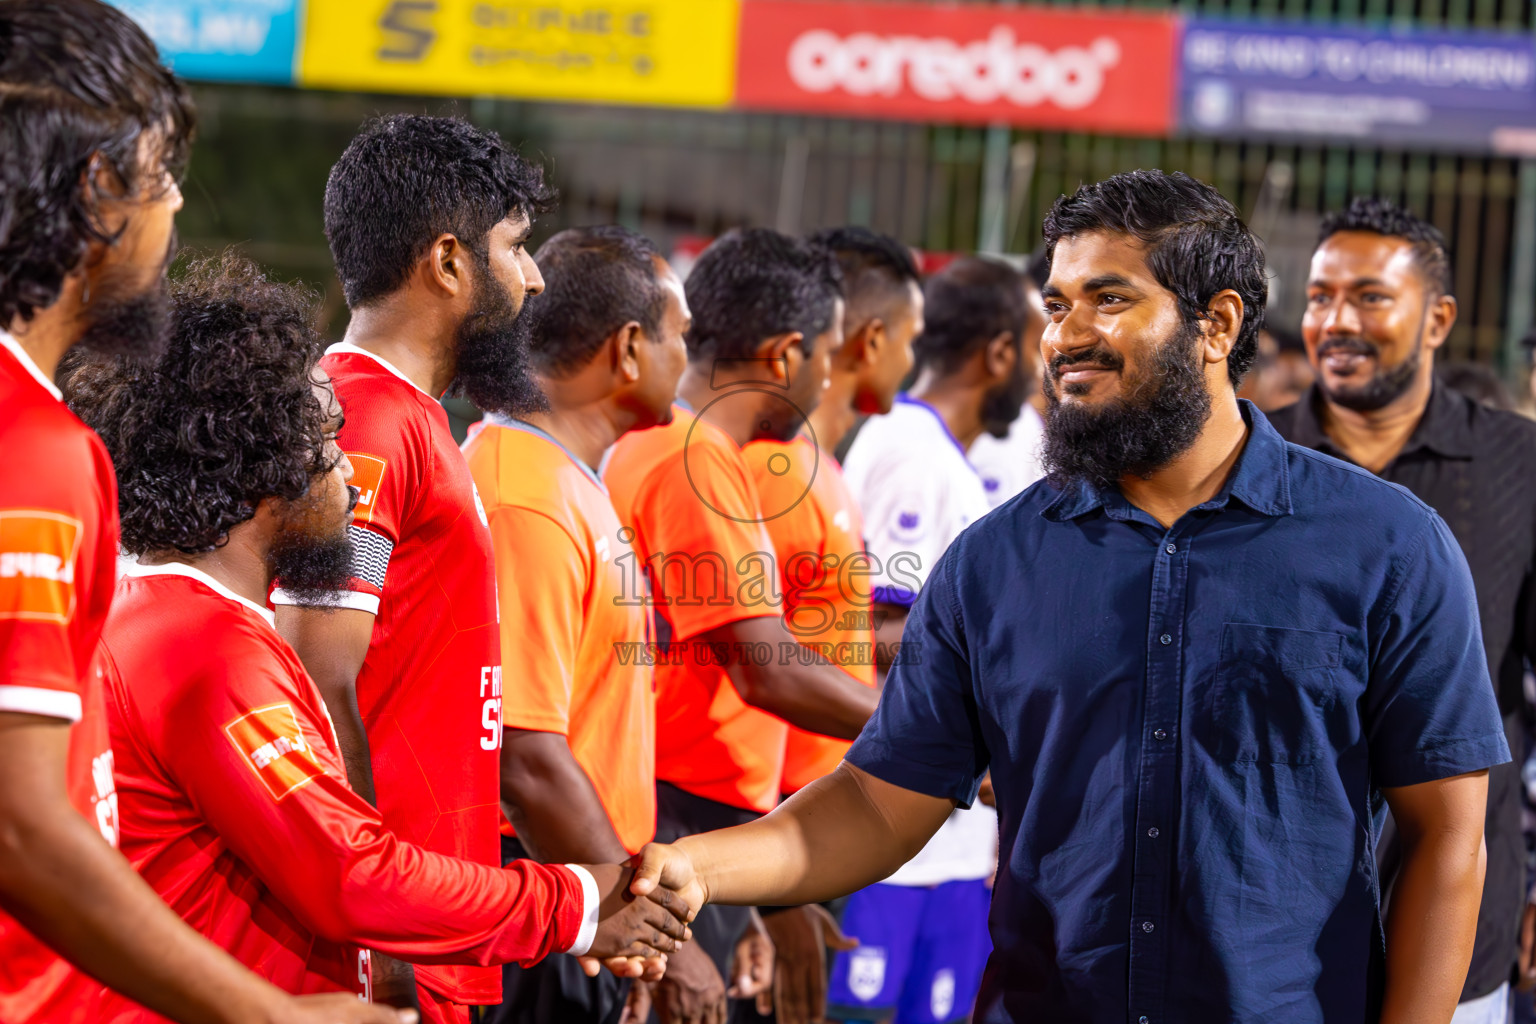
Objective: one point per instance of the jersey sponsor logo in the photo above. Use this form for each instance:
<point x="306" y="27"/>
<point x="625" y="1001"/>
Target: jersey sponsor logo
<point x="104" y="800"/>
<point x="38" y="549"/>
<point x="367" y="477"/>
<point x="479" y="506"/>
<point x="866" y="973"/>
<point x="490" y="710"/>
<point x="274" y="746"/>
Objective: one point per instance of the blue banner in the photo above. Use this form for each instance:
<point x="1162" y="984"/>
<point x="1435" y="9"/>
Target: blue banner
<point x="1473" y="91"/>
<point x="222" y="40"/>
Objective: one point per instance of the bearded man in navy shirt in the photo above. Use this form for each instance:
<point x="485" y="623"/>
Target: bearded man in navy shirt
<point x="1195" y="659"/>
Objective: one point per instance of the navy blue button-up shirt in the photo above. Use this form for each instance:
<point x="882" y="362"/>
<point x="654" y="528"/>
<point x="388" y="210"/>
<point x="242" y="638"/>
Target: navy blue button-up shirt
<point x="1186" y="729"/>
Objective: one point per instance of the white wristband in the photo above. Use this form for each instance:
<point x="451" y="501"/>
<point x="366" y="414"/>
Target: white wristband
<point x="589" y="904"/>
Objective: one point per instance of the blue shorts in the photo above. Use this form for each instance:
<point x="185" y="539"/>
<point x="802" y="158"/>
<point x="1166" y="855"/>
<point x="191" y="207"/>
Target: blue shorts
<point x="920" y="957"/>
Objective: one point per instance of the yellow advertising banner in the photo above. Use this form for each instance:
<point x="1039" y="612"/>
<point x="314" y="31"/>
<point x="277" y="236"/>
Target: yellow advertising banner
<point x="664" y="52"/>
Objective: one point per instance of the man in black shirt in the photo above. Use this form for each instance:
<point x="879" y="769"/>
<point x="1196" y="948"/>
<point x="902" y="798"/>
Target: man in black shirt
<point x="1379" y="304"/>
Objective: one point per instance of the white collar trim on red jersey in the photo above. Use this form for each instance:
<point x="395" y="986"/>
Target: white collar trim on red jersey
<point x="13" y="346"/>
<point x="346" y="348"/>
<point x="194" y="573"/>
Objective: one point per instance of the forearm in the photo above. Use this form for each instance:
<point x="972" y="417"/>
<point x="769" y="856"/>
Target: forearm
<point x="83" y="899"/>
<point x="835" y="836"/>
<point x="1431" y="926"/>
<point x="818" y="698"/>
<point x="429" y="909"/>
<point x="552" y="804"/>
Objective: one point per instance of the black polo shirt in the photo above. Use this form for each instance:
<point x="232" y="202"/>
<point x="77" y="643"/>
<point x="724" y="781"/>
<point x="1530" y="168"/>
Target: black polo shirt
<point x="1476" y="466"/>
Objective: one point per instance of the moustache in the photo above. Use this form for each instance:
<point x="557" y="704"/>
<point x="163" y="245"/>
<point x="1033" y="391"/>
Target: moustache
<point x="1099" y="357"/>
<point x="353" y="494"/>
<point x="1350" y="344"/>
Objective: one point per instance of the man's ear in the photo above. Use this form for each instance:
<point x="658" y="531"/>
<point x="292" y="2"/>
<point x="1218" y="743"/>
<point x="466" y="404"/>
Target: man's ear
<point x="779" y="351"/>
<point x="1000" y="354"/>
<point x="864" y="345"/>
<point x="1222" y="325"/>
<point x="446" y="266"/>
<point x="1440" y="320"/>
<point x="624" y="344"/>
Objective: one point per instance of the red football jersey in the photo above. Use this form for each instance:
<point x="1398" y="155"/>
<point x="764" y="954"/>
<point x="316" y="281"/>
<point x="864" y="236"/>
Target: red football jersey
<point x="430" y="689"/>
<point x="236" y="809"/>
<point x="58" y="551"/>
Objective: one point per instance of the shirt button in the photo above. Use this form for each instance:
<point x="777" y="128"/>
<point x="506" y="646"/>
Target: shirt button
<point x="1160" y="734"/>
<point x="1172" y="549"/>
<point x="1152" y="833"/>
<point x="1165" y="639"/>
<point x="1141" y="1020"/>
<point x="1147" y="927"/>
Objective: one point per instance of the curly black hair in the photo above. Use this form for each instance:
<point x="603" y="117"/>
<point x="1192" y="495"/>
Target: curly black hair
<point x="79" y="82"/>
<point x="596" y="280"/>
<point x="754" y="283"/>
<point x="225" y="418"/>
<point x="1196" y="244"/>
<point x="408" y="178"/>
<point x="1384" y="217"/>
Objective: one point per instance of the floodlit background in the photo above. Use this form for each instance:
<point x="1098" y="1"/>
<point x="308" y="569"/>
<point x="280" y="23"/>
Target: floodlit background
<point x="949" y="125"/>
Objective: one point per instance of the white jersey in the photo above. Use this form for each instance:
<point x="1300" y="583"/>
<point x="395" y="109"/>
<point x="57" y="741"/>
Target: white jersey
<point x="918" y="491"/>
<point x="1009" y="464"/>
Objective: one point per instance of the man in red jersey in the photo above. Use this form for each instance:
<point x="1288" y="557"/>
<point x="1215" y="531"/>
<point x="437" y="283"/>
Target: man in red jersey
<point x="234" y="802"/>
<point x="766" y="316"/>
<point x="93" y="132"/>
<point x="579" y="759"/>
<point x="427" y="219"/>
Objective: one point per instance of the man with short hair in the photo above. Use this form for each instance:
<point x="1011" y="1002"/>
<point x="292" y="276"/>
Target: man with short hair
<point x="427" y="218"/>
<point x="578" y="757"/>
<point x="766" y="317"/>
<point x="94" y="134"/>
<point x="923" y="931"/>
<point x="234" y="802"/>
<point x="1191" y="657"/>
<point x="1379" y="307"/>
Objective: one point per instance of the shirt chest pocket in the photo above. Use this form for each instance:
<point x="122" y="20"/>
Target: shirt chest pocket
<point x="1276" y="697"/>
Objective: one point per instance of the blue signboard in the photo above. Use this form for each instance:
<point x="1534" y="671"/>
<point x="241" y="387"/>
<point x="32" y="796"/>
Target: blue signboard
<point x="1470" y="90"/>
<point x="222" y="40"/>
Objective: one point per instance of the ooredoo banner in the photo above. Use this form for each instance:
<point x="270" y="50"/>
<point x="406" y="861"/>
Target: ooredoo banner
<point x="1031" y="66"/>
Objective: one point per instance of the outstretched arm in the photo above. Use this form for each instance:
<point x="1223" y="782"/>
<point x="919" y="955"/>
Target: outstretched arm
<point x="1433" y="917"/>
<point x="835" y="836"/>
<point x="73" y="891"/>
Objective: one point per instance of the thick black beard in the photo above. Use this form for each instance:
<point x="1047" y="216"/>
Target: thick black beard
<point x="1385" y="385"/>
<point x="1002" y="405"/>
<point x="313" y="569"/>
<point x="1157" y="417"/>
<point x="134" y="328"/>
<point x="495" y="368"/>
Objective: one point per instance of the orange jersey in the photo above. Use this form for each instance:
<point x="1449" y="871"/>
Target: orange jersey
<point x="572" y="638"/>
<point x="429" y="691"/>
<point x="58" y="551"/>
<point x="824" y="572"/>
<point x="237" y="811"/>
<point x="686" y="492"/>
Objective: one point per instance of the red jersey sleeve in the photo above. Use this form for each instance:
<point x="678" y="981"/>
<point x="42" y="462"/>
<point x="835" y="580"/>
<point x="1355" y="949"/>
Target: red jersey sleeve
<point x="707" y="550"/>
<point x="259" y="762"/>
<point x="541" y="586"/>
<point x="57" y="542"/>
